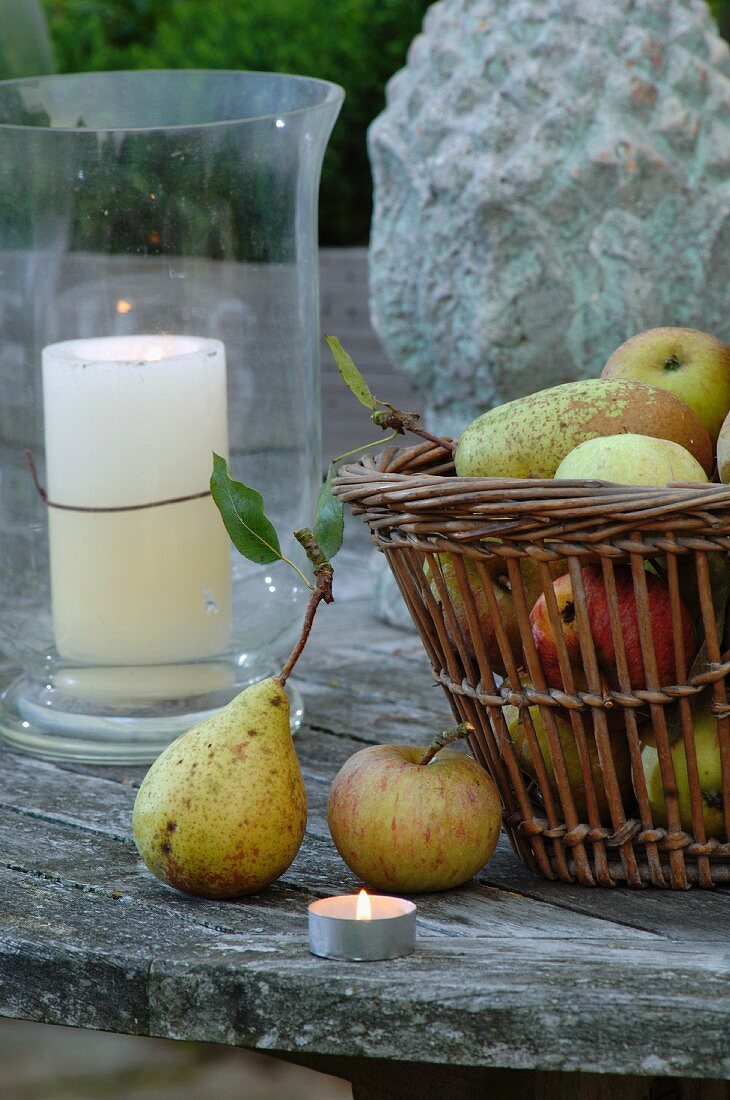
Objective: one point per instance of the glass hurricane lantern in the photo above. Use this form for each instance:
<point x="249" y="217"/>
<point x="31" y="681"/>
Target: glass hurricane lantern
<point x="158" y="302"/>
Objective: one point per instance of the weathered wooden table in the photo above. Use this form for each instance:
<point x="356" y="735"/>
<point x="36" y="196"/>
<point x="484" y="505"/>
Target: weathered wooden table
<point x="518" y="987"/>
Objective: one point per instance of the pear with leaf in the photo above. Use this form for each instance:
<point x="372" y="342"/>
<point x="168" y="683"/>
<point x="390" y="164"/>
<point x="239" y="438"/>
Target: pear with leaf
<point x="222" y="811"/>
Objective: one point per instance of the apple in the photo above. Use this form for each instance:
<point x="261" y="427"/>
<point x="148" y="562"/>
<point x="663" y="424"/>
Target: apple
<point x="692" y="365"/>
<point x="660" y="611"/>
<point x="497" y="569"/>
<point x="547" y="650"/>
<point x="409" y="827"/>
<point x="569" y="746"/>
<point x="543" y="634"/>
<point x="723" y="451"/>
<point x="630" y="459"/>
<point x="709" y="768"/>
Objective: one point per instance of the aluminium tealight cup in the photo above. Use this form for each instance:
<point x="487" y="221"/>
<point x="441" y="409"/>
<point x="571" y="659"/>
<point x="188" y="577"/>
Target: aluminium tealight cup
<point x="338" y="937"/>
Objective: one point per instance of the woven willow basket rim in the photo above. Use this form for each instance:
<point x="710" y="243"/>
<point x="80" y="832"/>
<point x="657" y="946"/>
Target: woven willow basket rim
<point x="415" y="490"/>
<point x="414" y="504"/>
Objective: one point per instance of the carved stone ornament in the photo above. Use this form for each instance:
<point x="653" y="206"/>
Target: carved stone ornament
<point x="551" y="176"/>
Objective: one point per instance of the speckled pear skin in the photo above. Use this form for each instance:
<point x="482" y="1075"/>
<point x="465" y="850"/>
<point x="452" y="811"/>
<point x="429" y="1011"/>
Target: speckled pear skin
<point x="530" y="437"/>
<point x="222" y="811"/>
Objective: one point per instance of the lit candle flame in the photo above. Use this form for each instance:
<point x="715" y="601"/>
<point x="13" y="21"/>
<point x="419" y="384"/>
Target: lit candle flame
<point x="123" y="306"/>
<point x="364" y="909"/>
<point x="154" y="352"/>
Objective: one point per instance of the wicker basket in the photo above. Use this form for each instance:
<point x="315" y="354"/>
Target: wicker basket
<point x="442" y="534"/>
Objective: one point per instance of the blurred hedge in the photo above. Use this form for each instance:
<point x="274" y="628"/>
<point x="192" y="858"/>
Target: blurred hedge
<point x="721" y="11"/>
<point x="357" y="43"/>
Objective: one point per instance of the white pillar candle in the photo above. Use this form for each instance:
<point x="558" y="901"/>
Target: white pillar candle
<point x="134" y="420"/>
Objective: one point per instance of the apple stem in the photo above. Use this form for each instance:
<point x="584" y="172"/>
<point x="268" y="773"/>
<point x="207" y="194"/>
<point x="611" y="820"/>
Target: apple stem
<point x="446" y="737"/>
<point x="321" y="592"/>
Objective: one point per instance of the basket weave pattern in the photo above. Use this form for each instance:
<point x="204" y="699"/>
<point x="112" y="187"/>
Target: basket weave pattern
<point x="418" y="511"/>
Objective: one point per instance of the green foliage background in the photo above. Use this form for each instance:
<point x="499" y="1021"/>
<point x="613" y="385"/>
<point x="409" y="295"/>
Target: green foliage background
<point x="356" y="43"/>
<point x="721" y="11"/>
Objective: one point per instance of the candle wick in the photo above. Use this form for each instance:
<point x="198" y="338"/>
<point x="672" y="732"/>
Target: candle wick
<point x="112" y="508"/>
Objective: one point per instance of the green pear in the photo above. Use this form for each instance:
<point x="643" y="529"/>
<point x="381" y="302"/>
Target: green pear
<point x="709" y="767"/>
<point x="569" y="746"/>
<point x="531" y="436"/>
<point x="222" y="810"/>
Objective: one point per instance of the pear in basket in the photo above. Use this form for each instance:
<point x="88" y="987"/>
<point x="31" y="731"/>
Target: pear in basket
<point x="530" y="437"/>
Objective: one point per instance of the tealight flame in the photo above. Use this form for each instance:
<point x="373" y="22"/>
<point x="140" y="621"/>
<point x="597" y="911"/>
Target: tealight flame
<point x="364" y="909"/>
<point x="123" y="306"/>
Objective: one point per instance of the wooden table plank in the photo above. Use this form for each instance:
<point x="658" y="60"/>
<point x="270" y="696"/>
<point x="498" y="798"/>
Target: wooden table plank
<point x="510" y="970"/>
<point x="522" y="1004"/>
<point x="102" y="857"/>
<point x="54" y="965"/>
<point x="698" y="915"/>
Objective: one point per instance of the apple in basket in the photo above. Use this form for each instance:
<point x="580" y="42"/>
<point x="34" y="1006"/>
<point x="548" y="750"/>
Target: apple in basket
<point x="709" y="773"/>
<point x="407" y="820"/>
<point x="446" y="586"/>
<point x="692" y="365"/>
<point x="630" y="459"/>
<point x="573" y="752"/>
<point x="597" y="610"/>
<point x="723" y="451"/>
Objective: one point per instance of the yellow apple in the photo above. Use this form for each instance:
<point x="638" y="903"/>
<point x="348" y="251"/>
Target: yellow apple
<point x="497" y="570"/>
<point x="619" y="752"/>
<point x="409" y="827"/>
<point x="692" y="365"/>
<point x="630" y="459"/>
<point x="723" y="451"/>
<point x="709" y="768"/>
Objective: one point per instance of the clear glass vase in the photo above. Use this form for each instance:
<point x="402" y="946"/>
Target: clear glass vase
<point x="158" y="302"/>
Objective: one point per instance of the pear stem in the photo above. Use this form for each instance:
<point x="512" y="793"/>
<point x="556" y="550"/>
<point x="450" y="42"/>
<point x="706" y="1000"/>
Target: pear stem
<point x="321" y="592"/>
<point x="401" y="422"/>
<point x="446" y="737"/>
<point x="364" y="447"/>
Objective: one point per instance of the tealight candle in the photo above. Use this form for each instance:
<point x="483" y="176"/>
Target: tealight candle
<point x="362" y="927"/>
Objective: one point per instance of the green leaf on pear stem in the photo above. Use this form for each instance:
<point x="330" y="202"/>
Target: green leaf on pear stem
<point x="329" y="519"/>
<point x="242" y="511"/>
<point x="350" y="374"/>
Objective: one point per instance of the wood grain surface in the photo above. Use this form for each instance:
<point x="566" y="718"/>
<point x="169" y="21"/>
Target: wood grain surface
<point x="511" y="971"/>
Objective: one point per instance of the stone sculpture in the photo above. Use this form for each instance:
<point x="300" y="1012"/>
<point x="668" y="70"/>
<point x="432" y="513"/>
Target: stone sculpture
<point x="551" y="176"/>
